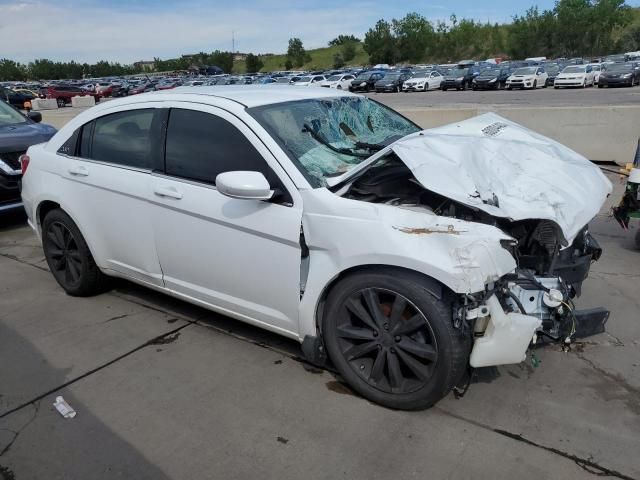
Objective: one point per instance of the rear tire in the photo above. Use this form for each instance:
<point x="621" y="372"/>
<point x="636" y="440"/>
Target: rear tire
<point x="68" y="256"/>
<point x="61" y="103"/>
<point x="392" y="340"/>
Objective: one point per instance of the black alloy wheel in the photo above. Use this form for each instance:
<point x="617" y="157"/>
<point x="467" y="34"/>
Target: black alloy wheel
<point x="69" y="257"/>
<point x="62" y="249"/>
<point x="387" y="340"/>
<point x="392" y="340"/>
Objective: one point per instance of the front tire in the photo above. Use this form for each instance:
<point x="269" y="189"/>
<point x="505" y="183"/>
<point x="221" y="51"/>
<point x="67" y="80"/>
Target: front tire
<point x="392" y="340"/>
<point x="68" y="256"/>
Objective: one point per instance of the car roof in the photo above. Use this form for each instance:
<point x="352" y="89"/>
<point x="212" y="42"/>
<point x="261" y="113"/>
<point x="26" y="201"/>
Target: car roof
<point x="247" y="95"/>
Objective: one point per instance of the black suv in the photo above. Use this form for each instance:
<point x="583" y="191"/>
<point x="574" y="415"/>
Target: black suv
<point x="17" y="133"/>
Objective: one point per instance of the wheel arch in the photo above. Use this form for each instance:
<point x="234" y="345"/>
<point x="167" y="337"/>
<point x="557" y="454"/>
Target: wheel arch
<point x="433" y="286"/>
<point x="46" y="206"/>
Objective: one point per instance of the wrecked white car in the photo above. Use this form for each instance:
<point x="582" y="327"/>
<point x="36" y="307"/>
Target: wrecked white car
<point x="402" y="256"/>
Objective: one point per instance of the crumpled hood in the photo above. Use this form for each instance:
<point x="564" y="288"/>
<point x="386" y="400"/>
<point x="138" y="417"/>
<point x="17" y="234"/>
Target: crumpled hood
<point x="506" y="170"/>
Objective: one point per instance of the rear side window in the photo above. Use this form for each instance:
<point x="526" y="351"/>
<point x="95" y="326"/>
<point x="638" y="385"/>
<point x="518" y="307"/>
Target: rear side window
<point x="123" y="138"/>
<point x="200" y="146"/>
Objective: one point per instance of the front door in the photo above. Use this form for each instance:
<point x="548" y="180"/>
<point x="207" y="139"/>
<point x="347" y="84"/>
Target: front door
<point x="240" y="256"/>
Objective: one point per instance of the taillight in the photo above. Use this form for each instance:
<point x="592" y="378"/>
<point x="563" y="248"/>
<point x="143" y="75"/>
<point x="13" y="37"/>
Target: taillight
<point x="24" y="163"/>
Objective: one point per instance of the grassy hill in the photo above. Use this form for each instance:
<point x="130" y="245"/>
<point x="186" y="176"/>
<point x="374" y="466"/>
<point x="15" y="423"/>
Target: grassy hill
<point x="321" y="59"/>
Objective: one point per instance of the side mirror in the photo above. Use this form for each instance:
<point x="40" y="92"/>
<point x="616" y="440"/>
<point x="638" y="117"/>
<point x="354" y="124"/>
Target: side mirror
<point x="244" y="185"/>
<point x="35" y="116"/>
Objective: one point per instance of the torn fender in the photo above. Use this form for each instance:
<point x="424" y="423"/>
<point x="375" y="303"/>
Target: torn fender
<point x="342" y="233"/>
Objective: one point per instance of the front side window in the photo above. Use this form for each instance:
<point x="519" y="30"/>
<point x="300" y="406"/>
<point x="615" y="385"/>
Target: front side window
<point x="124" y="138"/>
<point x="200" y="146"/>
<point x="325" y="137"/>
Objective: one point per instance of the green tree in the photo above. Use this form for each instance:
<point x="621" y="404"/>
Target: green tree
<point x="413" y="34"/>
<point x="343" y="39"/>
<point x="380" y="43"/>
<point x="12" y="70"/>
<point x="630" y="38"/>
<point x="224" y="60"/>
<point x="296" y="52"/>
<point x="338" y="61"/>
<point x="348" y="51"/>
<point x="253" y="63"/>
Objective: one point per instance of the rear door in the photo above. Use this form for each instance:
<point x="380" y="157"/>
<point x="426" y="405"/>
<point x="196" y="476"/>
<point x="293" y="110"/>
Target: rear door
<point x="240" y="256"/>
<point x="107" y="171"/>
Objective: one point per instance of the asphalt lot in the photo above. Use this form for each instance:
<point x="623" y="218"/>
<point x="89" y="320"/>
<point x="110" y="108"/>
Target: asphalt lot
<point x="542" y="97"/>
<point x="163" y="389"/>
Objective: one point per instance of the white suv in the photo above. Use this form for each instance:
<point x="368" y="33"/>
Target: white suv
<point x="331" y="219"/>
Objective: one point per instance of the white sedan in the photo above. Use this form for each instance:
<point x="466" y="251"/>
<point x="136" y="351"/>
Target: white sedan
<point x="340" y="81"/>
<point x="423" y="81"/>
<point x="528" y="78"/>
<point x="575" y="76"/>
<point x="310" y="81"/>
<point x="328" y="218"/>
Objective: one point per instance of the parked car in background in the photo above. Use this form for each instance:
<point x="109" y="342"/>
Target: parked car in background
<point x="17" y="133"/>
<point x="142" y="88"/>
<point x="64" y="93"/>
<point x="104" y="89"/>
<point x="491" y="78"/>
<point x="460" y="78"/>
<point x="167" y="85"/>
<point x="365" y="81"/>
<point x="423" y="81"/>
<point x="15" y="98"/>
<point x="619" y="74"/>
<point x="597" y="69"/>
<point x="340" y="81"/>
<point x="310" y="81"/>
<point x="575" y="76"/>
<point x="391" y="82"/>
<point x="527" y="78"/>
<point x="553" y="70"/>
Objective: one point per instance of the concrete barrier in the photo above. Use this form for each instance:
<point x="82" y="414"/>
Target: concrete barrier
<point x="86" y="101"/>
<point x="44" y="104"/>
<point x="600" y="133"/>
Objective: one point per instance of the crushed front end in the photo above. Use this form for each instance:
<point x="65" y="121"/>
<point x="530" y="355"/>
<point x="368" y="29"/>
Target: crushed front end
<point x="535" y="303"/>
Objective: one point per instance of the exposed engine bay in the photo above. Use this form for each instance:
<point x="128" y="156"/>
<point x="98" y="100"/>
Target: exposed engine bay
<point x="549" y="272"/>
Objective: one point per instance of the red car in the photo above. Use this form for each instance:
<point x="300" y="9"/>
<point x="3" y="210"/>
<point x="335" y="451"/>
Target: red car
<point x="64" y="93"/>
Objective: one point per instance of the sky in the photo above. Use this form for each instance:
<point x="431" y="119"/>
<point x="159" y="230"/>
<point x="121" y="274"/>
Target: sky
<point x="128" y="31"/>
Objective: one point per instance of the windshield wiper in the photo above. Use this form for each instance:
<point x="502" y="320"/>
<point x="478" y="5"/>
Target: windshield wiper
<point x="344" y="151"/>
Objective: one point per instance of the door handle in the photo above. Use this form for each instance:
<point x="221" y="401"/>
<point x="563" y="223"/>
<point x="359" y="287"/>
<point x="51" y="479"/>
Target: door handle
<point x="79" y="171"/>
<point x="167" y="192"/>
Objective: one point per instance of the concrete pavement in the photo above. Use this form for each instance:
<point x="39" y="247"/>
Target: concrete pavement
<point x="164" y="389"/>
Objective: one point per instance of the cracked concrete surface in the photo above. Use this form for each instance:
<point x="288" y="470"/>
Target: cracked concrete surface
<point x="164" y="389"/>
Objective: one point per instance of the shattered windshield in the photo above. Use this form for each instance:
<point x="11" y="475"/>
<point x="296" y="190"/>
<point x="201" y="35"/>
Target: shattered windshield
<point x="327" y="137"/>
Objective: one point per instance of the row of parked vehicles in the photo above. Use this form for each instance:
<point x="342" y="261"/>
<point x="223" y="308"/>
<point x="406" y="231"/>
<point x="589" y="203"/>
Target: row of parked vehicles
<point x="614" y="70"/>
